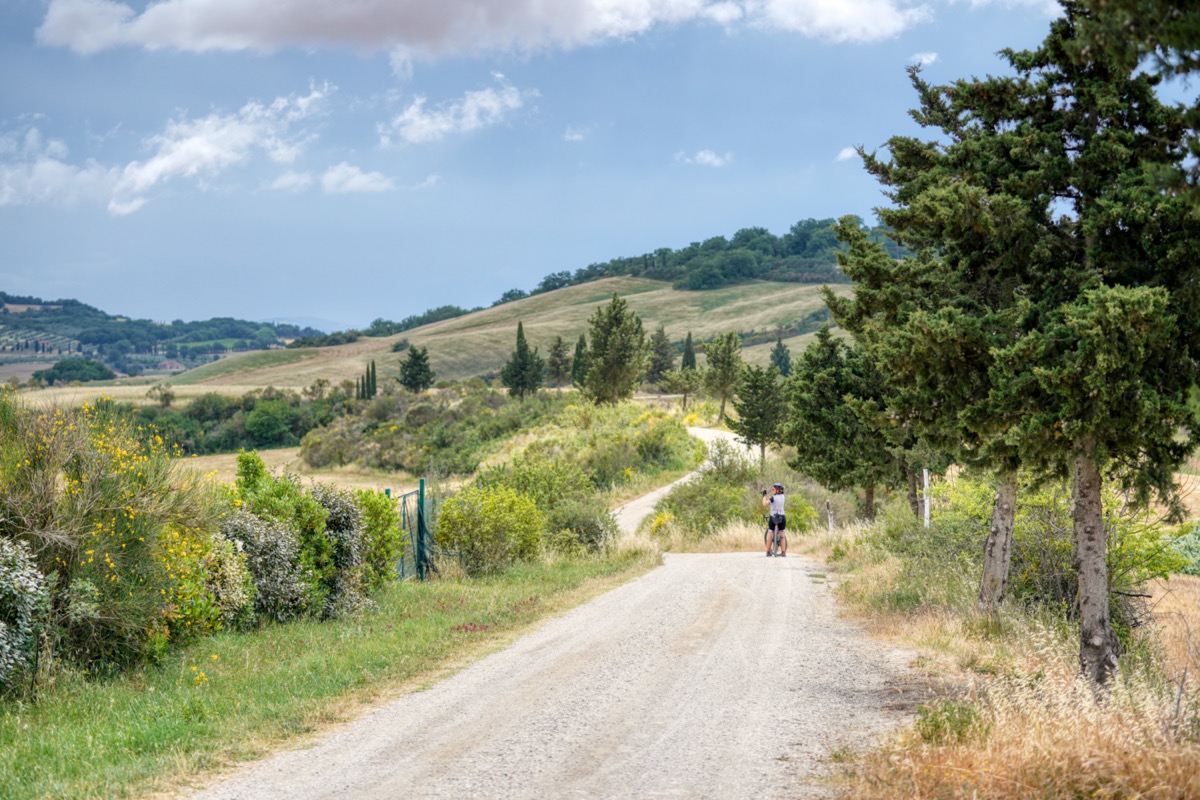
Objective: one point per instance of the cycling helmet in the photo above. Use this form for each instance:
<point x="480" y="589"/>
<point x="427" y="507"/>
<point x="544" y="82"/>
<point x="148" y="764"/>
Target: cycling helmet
<point x="778" y="486"/>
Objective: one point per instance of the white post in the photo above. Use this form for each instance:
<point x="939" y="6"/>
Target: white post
<point x="925" y="472"/>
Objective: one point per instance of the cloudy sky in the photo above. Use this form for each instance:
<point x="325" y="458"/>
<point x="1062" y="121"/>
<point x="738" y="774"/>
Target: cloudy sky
<point x="348" y="160"/>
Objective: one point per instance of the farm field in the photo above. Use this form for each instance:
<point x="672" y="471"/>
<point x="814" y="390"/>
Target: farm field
<point x="223" y="467"/>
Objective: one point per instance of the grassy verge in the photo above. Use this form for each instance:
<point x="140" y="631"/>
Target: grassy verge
<point x="236" y="696"/>
<point x="1013" y="718"/>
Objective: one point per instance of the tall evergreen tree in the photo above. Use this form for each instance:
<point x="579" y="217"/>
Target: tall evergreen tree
<point x="1097" y="320"/>
<point x="662" y="356"/>
<point x="580" y="363"/>
<point x="834" y="444"/>
<point x="416" y="374"/>
<point x="618" y="352"/>
<point x="760" y="409"/>
<point x="724" y="358"/>
<point x="781" y="358"/>
<point x="524" y="372"/>
<point x="558" y="362"/>
<point x="689" y="354"/>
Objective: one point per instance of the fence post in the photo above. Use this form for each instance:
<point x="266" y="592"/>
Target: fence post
<point x="926" y="496"/>
<point x="422" y="545"/>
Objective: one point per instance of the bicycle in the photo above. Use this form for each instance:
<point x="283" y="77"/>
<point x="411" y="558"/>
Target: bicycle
<point x="774" y="538"/>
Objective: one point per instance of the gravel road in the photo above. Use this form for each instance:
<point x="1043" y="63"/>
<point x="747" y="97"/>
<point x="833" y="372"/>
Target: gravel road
<point x="715" y="676"/>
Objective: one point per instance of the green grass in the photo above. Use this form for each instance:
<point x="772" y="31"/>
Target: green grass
<point x="151" y="729"/>
<point x="247" y="362"/>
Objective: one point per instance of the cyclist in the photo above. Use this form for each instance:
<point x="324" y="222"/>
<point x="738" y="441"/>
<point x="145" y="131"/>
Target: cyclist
<point x="777" y="521"/>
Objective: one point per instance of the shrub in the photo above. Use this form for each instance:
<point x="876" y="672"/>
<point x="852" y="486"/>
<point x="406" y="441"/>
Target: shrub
<point x="282" y="500"/>
<point x="344" y="528"/>
<point x="490" y="528"/>
<point x="22" y="592"/>
<point x="93" y="497"/>
<point x="227" y="578"/>
<point x="382" y="539"/>
<point x="272" y="558"/>
<point x="1187" y="545"/>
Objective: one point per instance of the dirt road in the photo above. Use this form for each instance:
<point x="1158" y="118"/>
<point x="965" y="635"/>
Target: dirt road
<point x="715" y="676"/>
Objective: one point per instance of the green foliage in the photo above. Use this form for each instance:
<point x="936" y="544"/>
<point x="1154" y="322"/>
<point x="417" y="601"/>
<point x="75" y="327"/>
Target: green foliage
<point x="451" y="434"/>
<point x="272" y="558"/>
<point x="781" y="358"/>
<point x="101" y="508"/>
<point x="344" y="529"/>
<point x="689" y="354"/>
<point x="948" y="722"/>
<point x="382" y="538"/>
<point x="565" y="495"/>
<point x="760" y="408"/>
<point x="616" y="360"/>
<point x="522" y="375"/>
<point x="490" y="529"/>
<point x="281" y="500"/>
<point x="683" y="381"/>
<point x="22" y="594"/>
<point x="558" y="362"/>
<point x="75" y="369"/>
<point x="662" y="356"/>
<point x="833" y="443"/>
<point x="724" y="366"/>
<point x="415" y="373"/>
<point x="580" y="363"/>
<point x="325" y="339"/>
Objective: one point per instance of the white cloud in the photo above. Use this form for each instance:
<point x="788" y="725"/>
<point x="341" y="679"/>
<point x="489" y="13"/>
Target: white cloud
<point x="838" y="20"/>
<point x="475" y="110"/>
<point x="35" y="171"/>
<point x="924" y="59"/>
<point x="429" y="182"/>
<point x="345" y="179"/>
<point x="207" y="146"/>
<point x="704" y="158"/>
<point x="846" y="153"/>
<point x="292" y="182"/>
<point x="423" y="29"/>
<point x="573" y="134"/>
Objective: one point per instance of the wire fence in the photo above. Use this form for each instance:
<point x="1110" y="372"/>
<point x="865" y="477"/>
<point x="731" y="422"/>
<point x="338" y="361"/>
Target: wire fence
<point x="418" y="520"/>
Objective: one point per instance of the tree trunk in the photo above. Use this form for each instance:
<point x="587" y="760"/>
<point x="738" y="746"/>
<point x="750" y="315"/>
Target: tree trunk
<point x="721" y="414"/>
<point x="762" y="457"/>
<point x="997" y="548"/>
<point x="869" y="503"/>
<point x="1098" y="641"/>
<point x="914" y="501"/>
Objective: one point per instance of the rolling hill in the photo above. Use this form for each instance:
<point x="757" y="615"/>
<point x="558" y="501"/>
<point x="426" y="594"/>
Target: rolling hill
<point x="481" y="341"/>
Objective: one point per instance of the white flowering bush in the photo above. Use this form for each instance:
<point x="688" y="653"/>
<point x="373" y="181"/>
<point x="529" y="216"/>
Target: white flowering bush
<point x="228" y="580"/>
<point x="22" y="591"/>
<point x="273" y="557"/>
<point x="344" y="527"/>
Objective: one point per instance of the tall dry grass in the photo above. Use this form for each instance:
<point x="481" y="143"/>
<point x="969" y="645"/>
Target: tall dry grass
<point x="1015" y="720"/>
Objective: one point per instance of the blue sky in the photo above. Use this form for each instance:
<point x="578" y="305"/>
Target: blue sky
<point x="342" y="161"/>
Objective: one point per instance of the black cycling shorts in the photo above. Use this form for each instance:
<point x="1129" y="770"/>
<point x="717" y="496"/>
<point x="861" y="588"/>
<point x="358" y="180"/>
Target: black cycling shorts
<point x="777" y="522"/>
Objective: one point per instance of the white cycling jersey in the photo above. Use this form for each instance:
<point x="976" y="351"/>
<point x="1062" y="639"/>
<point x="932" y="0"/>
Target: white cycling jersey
<point x="777" y="505"/>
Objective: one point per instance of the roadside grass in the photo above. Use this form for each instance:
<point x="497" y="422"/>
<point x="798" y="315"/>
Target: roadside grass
<point x="234" y="697"/>
<point x="1015" y="719"/>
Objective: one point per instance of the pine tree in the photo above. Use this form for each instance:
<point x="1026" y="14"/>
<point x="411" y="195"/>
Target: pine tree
<point x="415" y="373"/>
<point x="760" y="408"/>
<point x="558" y="362"/>
<point x="523" y="373"/>
<point x="580" y="363"/>
<point x="689" y="354"/>
<point x="662" y="356"/>
<point x="724" y="358"/>
<point x="618" y="352"/>
<point x="781" y="358"/>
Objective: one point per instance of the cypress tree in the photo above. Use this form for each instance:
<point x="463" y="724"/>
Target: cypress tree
<point x="525" y="369"/>
<point x="618" y="352"/>
<point x="781" y="358"/>
<point x="689" y="354"/>
<point x="760" y="408"/>
<point x="579" y="364"/>
<point x="415" y="373"/>
<point x="724" y="359"/>
<point x="558" y="362"/>
<point x="662" y="356"/>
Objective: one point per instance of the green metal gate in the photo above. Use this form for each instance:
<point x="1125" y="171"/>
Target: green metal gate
<point x="417" y="519"/>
